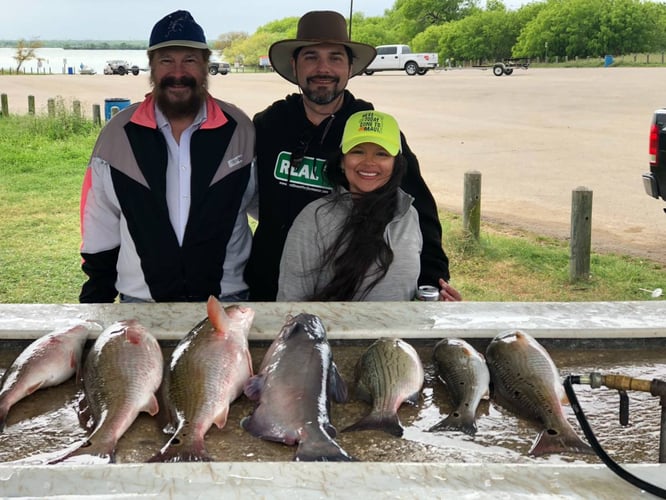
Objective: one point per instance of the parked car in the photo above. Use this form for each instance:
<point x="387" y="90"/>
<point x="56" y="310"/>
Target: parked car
<point x="120" y="67"/>
<point x="221" y="67"/>
<point x="654" y="181"/>
<point x="401" y="57"/>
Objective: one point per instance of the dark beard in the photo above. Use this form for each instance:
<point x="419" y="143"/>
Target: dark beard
<point x="321" y="98"/>
<point x="179" y="109"/>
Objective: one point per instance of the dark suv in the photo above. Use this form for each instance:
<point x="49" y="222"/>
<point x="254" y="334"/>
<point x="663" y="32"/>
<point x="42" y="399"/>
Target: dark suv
<point x="654" y="181"/>
<point x="215" y="67"/>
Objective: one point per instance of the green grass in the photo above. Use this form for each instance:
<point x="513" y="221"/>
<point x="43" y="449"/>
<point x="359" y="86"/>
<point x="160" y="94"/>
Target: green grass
<point x="43" y="162"/>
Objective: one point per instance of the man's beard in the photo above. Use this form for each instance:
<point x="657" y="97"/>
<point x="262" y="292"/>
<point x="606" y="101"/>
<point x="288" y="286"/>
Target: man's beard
<point x="179" y="108"/>
<point x="322" y="96"/>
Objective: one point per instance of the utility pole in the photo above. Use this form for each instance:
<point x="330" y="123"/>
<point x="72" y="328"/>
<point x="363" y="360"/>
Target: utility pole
<point x="351" y="11"/>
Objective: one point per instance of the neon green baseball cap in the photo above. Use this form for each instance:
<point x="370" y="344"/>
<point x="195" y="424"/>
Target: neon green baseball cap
<point x="372" y="126"/>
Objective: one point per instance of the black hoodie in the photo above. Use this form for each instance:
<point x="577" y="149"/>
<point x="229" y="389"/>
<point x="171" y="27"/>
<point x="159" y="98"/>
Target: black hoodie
<point x="283" y="129"/>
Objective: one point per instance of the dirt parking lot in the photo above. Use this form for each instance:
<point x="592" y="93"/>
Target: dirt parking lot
<point x="535" y="136"/>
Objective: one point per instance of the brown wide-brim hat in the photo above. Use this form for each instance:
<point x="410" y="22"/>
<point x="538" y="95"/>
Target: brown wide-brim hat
<point x="314" y="28"/>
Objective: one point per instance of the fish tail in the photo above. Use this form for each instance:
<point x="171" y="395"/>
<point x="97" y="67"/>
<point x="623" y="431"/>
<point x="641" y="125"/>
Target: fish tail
<point x="97" y="453"/>
<point x="172" y="455"/>
<point x="180" y="449"/>
<point x="321" y="450"/>
<point x="456" y="421"/>
<point x="553" y="441"/>
<point x="383" y="421"/>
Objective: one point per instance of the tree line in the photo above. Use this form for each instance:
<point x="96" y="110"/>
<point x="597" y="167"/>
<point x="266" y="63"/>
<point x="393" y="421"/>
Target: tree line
<point x="463" y="30"/>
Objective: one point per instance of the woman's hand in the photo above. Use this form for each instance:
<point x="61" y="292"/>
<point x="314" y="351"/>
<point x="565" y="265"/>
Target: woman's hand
<point x="447" y="293"/>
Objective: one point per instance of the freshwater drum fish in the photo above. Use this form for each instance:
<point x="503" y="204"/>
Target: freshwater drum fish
<point x="121" y="374"/>
<point x="526" y="381"/>
<point x="292" y="387"/>
<point x="207" y="372"/>
<point x="50" y="360"/>
<point x="388" y="374"/>
<point x="464" y="372"/>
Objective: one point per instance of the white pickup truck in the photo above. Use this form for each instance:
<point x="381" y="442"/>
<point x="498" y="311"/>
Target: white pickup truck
<point x="400" y="57"/>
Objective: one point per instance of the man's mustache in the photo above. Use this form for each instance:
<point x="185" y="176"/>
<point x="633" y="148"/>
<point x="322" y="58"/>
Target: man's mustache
<point x="323" y="77"/>
<point x="170" y="81"/>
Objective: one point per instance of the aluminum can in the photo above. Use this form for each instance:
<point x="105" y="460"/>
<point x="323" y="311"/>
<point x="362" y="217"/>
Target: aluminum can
<point x="427" y="293"/>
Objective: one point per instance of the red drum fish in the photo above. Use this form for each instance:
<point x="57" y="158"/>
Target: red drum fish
<point x="464" y="372"/>
<point x="121" y="374"/>
<point x="526" y="381"/>
<point x="388" y="374"/>
<point x="50" y="360"/>
<point x="207" y="372"/>
<point x="292" y="388"/>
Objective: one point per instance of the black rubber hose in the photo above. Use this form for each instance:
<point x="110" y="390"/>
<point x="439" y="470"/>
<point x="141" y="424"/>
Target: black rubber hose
<point x="607" y="460"/>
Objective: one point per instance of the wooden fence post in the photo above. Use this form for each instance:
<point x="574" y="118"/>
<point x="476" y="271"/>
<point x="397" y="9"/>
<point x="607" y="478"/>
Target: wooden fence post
<point x="581" y="234"/>
<point x="50" y="106"/>
<point x="5" y="105"/>
<point x="31" y="104"/>
<point x="97" y="115"/>
<point x="472" y="204"/>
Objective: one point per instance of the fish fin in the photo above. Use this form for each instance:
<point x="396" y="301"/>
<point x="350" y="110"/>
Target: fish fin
<point x="221" y="419"/>
<point x="249" y="362"/>
<point x="337" y="387"/>
<point x="320" y="449"/>
<point x="217" y="315"/>
<point x="552" y="441"/>
<point x="382" y="421"/>
<point x="456" y="421"/>
<point x="253" y="386"/>
<point x="3" y="419"/>
<point x="413" y="399"/>
<point x="34" y="387"/>
<point x="132" y="332"/>
<point x="152" y="407"/>
<point x="73" y="361"/>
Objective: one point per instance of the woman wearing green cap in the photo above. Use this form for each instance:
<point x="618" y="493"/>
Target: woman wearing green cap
<point x="362" y="242"/>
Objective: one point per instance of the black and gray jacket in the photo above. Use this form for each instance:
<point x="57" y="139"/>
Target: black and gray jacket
<point x="282" y="130"/>
<point x="129" y="245"/>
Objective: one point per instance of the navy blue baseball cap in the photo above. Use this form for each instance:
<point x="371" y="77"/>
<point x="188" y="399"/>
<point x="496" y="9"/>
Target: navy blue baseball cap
<point x="178" y="29"/>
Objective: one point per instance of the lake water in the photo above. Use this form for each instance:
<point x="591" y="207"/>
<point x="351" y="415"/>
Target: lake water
<point x="56" y="60"/>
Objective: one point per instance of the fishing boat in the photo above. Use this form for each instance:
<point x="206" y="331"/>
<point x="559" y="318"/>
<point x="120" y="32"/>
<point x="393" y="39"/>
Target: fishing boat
<point x="580" y="327"/>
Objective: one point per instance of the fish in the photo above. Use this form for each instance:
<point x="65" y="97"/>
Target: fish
<point x="525" y="381"/>
<point x="464" y="371"/>
<point x="121" y="374"/>
<point x="292" y="388"/>
<point x="388" y="374"/>
<point x="206" y="373"/>
<point x="48" y="361"/>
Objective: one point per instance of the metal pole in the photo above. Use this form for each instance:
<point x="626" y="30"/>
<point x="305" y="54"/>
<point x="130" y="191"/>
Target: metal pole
<point x="351" y="11"/>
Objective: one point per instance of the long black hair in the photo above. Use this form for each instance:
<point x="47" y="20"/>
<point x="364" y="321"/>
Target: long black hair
<point x="359" y="251"/>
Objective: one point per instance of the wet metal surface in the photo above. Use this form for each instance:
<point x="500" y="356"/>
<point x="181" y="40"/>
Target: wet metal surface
<point x="45" y="424"/>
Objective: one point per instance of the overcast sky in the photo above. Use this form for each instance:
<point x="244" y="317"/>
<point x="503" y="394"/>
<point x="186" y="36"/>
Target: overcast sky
<point x="133" y="19"/>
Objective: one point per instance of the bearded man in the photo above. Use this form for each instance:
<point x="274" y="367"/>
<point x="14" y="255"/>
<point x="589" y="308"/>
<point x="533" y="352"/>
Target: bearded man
<point x="167" y="189"/>
<point x="297" y="135"/>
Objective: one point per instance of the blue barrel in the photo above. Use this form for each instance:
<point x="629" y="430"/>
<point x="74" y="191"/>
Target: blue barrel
<point x="114" y="104"/>
<point x="608" y="60"/>
<point x="70" y="70"/>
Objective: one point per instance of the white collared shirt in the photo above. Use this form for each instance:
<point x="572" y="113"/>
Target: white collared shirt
<point x="179" y="170"/>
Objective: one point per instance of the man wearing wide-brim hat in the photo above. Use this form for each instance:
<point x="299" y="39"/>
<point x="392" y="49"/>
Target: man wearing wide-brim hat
<point x="296" y="136"/>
